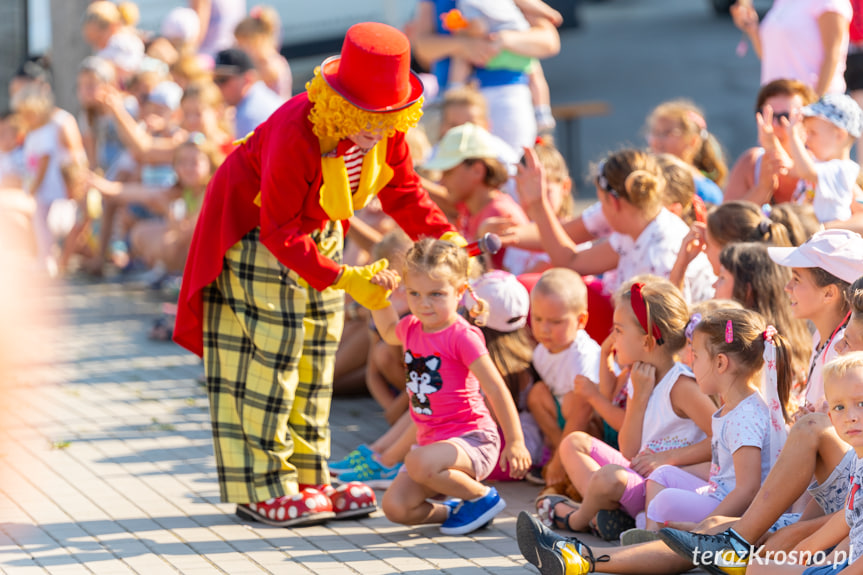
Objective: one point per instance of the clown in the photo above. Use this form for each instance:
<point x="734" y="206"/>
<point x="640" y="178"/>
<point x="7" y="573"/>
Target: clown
<point x="262" y="298"/>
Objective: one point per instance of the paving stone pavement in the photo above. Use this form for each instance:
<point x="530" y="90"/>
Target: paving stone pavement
<point x="106" y="465"/>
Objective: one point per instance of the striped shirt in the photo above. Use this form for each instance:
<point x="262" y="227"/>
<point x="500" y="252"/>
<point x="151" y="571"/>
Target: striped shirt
<point x="354" y="165"/>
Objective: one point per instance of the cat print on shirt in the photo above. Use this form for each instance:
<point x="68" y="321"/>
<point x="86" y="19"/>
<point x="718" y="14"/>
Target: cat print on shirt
<point x="423" y="379"/>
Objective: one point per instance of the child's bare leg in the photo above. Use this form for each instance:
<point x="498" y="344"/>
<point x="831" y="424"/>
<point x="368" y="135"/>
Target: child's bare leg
<point x="392" y="434"/>
<point x="542" y="405"/>
<point x="812" y="448"/>
<point x="405" y="502"/>
<point x="604" y="491"/>
<point x="576" y="412"/>
<point x="444" y="467"/>
<point x="575" y="454"/>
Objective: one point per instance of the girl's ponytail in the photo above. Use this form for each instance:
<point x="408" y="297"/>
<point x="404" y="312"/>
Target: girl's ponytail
<point x="783" y="366"/>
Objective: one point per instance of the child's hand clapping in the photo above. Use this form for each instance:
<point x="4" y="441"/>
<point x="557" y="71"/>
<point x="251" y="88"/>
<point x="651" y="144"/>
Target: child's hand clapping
<point x="517" y="457"/>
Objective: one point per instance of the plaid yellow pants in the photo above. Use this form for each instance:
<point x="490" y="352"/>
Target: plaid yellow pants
<point x="269" y="350"/>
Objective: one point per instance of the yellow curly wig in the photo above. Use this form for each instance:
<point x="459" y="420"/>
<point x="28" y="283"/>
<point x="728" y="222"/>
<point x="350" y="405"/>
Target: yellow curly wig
<point x="334" y="117"/>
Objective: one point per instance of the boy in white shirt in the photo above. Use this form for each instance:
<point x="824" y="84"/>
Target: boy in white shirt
<point x="821" y="154"/>
<point x="558" y="307"/>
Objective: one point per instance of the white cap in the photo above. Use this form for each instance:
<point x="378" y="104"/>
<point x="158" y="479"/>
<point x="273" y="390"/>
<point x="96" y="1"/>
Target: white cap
<point x="839" y="252"/>
<point x="507" y="298"/>
<point x="124" y="50"/>
<point x="166" y="94"/>
<point x="465" y="142"/>
<point x="181" y="24"/>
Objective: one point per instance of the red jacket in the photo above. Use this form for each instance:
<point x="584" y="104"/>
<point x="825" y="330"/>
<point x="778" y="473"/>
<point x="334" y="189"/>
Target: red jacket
<point x="273" y="180"/>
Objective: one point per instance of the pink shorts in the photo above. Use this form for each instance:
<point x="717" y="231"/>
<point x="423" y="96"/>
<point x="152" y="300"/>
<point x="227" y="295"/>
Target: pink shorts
<point x="483" y="450"/>
<point x="632" y="500"/>
<point x="481" y="447"/>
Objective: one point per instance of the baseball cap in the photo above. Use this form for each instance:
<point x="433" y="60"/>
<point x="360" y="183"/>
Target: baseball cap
<point x="838" y="109"/>
<point x="166" y="94"/>
<point x="181" y="24"/>
<point x="232" y="62"/>
<point x="124" y="50"/>
<point x="507" y="299"/>
<point x="465" y="142"/>
<point x="839" y="252"/>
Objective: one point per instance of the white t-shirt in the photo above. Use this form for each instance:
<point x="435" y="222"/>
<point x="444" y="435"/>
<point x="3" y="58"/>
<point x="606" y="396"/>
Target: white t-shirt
<point x="747" y="425"/>
<point x="814" y="393"/>
<point x="791" y="44"/>
<point x="497" y="15"/>
<point x="13" y="169"/>
<point x="654" y="252"/>
<point x="832" y="196"/>
<point x="595" y="222"/>
<point x="41" y="142"/>
<point x="558" y="370"/>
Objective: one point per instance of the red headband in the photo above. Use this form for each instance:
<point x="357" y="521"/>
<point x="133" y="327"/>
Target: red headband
<point x="639" y="307"/>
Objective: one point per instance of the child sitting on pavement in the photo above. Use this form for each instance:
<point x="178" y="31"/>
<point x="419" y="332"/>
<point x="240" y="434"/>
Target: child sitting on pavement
<point x="564" y="352"/>
<point x="448" y="365"/>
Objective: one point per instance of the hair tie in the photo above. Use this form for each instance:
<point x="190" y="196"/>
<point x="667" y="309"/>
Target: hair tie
<point x="256" y="12"/>
<point x="540" y="141"/>
<point x="602" y="181"/>
<point x="769" y="333"/>
<point x="691" y="325"/>
<point x="479" y="310"/>
<point x="639" y="307"/>
<point x="767" y="210"/>
<point x="764" y="227"/>
<point x="729" y="332"/>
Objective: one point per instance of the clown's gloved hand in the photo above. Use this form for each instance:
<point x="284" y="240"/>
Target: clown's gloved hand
<point x="455" y="238"/>
<point x="356" y="281"/>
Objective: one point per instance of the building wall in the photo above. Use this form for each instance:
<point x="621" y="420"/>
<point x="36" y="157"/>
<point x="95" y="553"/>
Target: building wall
<point x="13" y="43"/>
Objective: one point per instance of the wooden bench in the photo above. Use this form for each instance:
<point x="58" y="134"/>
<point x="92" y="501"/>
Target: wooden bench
<point x="568" y="117"/>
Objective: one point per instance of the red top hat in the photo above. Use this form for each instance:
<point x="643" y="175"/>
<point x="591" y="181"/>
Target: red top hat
<point x="373" y="71"/>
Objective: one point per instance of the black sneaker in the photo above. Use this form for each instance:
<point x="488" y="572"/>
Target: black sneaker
<point x="721" y="554"/>
<point x="551" y="553"/>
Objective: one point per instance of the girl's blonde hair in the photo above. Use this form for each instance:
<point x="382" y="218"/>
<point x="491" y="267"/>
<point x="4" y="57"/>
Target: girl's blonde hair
<point x="742" y="221"/>
<point x="741" y="334"/>
<point x="665" y="306"/>
<point x="334" y="117"/>
<point x="433" y="258"/>
<point x="104" y="14"/>
<point x="262" y="21"/>
<point x="130" y="14"/>
<point x="35" y="98"/>
<point x="679" y="185"/>
<point x="708" y="158"/>
<point x="635" y="176"/>
<point x="759" y="283"/>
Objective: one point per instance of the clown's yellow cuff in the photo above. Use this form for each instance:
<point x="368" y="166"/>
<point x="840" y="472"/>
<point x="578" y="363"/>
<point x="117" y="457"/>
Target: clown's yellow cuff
<point x="454" y="237"/>
<point x="355" y="280"/>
